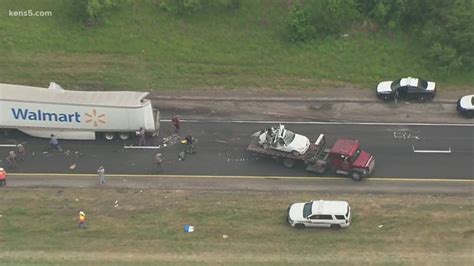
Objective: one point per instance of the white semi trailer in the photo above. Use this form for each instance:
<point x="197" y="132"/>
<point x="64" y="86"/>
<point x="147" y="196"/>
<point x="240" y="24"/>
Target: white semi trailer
<point x="81" y="115"/>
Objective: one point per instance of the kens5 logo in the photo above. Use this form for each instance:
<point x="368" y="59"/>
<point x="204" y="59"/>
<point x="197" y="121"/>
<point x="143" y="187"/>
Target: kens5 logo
<point x="40" y="115"/>
<point x="95" y="118"/>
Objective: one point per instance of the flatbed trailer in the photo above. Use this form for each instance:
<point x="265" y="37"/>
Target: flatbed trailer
<point x="315" y="157"/>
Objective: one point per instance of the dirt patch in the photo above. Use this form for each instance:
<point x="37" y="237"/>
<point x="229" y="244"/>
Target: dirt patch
<point x="330" y="104"/>
<point x="347" y="91"/>
<point x="405" y="112"/>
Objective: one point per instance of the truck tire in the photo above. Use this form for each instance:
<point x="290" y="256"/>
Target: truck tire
<point x="356" y="176"/>
<point x="386" y="98"/>
<point x="289" y="163"/>
<point x="299" y="226"/>
<point x="124" y="135"/>
<point x="422" y="98"/>
<point x="266" y="146"/>
<point x="109" y="136"/>
<point x="296" y="153"/>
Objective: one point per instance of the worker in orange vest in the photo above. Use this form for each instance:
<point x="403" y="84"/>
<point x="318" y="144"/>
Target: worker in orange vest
<point x="82" y="220"/>
<point x="3" y="177"/>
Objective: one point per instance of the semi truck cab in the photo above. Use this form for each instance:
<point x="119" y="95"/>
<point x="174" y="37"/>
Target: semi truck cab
<point x="347" y="158"/>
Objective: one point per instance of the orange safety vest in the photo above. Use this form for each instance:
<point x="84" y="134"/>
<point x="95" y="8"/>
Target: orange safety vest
<point x="3" y="174"/>
<point x="82" y="218"/>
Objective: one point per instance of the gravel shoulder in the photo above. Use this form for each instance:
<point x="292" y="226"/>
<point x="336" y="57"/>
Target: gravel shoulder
<point x="346" y="104"/>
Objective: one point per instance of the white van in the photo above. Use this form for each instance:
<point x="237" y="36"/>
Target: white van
<point x="320" y="213"/>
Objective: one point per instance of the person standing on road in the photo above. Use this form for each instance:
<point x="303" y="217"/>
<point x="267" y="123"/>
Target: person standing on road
<point x="82" y="220"/>
<point x="3" y="177"/>
<point x="141" y="134"/>
<point x="101" y="172"/>
<point x="11" y="159"/>
<point x="175" y="121"/>
<point x="21" y="152"/>
<point x="54" y="143"/>
<point x="159" y="162"/>
<point x="190" y="148"/>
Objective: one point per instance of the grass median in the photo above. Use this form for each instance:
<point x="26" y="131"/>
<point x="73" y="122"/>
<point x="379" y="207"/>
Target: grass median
<point x="142" y="47"/>
<point x="146" y="226"/>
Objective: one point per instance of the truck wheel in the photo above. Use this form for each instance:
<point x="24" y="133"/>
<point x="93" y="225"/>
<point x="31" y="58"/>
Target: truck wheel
<point x="356" y="176"/>
<point x="386" y="98"/>
<point x="266" y="146"/>
<point x="421" y="98"/>
<point x="109" y="136"/>
<point x="289" y="163"/>
<point x="299" y="226"/>
<point x="296" y="153"/>
<point x="124" y="136"/>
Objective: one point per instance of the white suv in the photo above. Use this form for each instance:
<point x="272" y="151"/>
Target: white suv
<point x="320" y="213"/>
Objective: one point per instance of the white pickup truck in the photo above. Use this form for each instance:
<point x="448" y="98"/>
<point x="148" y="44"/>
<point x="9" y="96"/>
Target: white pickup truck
<point x="281" y="139"/>
<point x="69" y="114"/>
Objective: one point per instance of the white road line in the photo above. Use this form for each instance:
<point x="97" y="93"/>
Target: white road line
<point x="431" y="151"/>
<point x="141" y="147"/>
<point x="7" y="145"/>
<point x="324" y="123"/>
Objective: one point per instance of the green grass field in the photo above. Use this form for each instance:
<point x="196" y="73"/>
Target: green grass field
<point x="142" y="47"/>
<point x="39" y="226"/>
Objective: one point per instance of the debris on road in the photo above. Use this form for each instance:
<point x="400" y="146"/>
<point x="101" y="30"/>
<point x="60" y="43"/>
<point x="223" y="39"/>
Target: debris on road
<point x="225" y="236"/>
<point x="380" y="226"/>
<point x="171" y="140"/>
<point x="221" y="141"/>
<point x="73" y="166"/>
<point x="188" y="228"/>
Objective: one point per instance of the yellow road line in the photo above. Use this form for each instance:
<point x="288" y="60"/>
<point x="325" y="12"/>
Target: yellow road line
<point x="245" y="177"/>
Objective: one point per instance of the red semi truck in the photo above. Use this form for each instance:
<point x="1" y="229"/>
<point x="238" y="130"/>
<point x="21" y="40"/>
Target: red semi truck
<point x="345" y="157"/>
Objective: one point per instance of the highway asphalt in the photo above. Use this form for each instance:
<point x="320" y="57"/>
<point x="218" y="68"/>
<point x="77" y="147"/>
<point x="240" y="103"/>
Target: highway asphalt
<point x="401" y="151"/>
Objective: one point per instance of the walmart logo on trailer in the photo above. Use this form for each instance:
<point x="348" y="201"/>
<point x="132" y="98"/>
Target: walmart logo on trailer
<point x="39" y="115"/>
